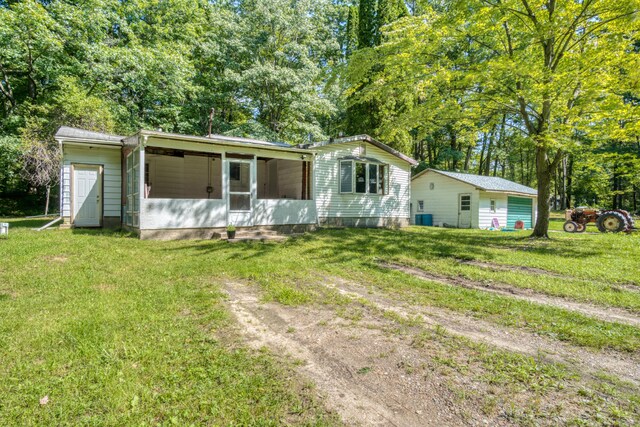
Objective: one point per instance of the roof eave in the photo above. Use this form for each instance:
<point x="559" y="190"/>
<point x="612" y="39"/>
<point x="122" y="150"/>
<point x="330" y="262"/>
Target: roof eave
<point x="86" y="141"/>
<point x="220" y="141"/>
<point x="515" y="193"/>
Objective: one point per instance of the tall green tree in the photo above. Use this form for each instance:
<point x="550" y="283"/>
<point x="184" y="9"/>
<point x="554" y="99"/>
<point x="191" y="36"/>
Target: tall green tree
<point x="368" y="27"/>
<point x="352" y="31"/>
<point x="553" y="68"/>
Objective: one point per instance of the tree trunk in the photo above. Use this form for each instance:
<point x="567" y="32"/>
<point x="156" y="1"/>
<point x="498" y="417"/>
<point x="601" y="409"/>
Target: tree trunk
<point x="569" y="192"/>
<point x="555" y="189"/>
<point x="467" y="159"/>
<point x="487" y="165"/>
<point x="543" y="173"/>
<point x="563" y="186"/>
<point x="484" y="140"/>
<point x="616" y="182"/>
<point x="46" y="206"/>
<point x="454" y="149"/>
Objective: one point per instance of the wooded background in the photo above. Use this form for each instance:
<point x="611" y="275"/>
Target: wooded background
<point x="528" y="90"/>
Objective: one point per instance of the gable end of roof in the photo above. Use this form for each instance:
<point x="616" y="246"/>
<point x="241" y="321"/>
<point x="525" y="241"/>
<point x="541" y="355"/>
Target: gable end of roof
<point x="366" y="138"/>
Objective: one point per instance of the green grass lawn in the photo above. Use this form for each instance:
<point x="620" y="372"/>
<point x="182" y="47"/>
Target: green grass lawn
<point x="116" y="331"/>
<point x="119" y="331"/>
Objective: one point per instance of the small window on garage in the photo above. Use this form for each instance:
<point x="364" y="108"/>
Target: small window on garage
<point x="420" y="205"/>
<point x="492" y="205"/>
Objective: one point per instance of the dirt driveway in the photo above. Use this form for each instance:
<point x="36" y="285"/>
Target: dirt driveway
<point x="383" y="362"/>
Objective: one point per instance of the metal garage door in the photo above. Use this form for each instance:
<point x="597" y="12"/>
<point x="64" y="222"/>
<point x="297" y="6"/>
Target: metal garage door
<point x="519" y="208"/>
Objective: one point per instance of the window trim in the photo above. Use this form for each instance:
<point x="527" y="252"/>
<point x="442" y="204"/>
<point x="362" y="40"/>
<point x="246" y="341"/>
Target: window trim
<point x="380" y="179"/>
<point x="420" y="206"/>
<point x="493" y="206"/>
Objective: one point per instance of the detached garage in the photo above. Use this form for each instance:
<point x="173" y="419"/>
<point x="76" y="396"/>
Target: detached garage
<point x="471" y="201"/>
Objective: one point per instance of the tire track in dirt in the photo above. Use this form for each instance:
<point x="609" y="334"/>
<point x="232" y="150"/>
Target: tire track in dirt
<point x="505" y="267"/>
<point x="607" y="314"/>
<point x="533" y="270"/>
<point x="625" y="366"/>
<point x="340" y="358"/>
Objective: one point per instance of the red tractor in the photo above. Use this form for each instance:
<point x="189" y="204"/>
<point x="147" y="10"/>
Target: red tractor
<point x="614" y="221"/>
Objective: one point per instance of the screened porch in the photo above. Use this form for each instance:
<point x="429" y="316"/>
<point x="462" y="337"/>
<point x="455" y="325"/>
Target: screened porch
<point x="168" y="188"/>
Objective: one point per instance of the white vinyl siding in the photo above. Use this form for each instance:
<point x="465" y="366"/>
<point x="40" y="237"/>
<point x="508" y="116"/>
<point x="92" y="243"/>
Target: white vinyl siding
<point x="331" y="203"/>
<point x="484" y="211"/>
<point x="443" y="200"/>
<point x="91" y="155"/>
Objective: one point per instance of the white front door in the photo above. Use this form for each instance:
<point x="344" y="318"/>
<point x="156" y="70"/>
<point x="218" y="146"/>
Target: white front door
<point x="464" y="210"/>
<point x="87" y="195"/>
<point x="240" y="194"/>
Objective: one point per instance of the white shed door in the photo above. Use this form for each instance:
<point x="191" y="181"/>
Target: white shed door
<point x="464" y="211"/>
<point x="87" y="192"/>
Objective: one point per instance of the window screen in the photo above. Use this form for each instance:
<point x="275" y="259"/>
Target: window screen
<point x="382" y="179"/>
<point x="346" y="177"/>
<point x="373" y="178"/>
<point x="361" y="178"/>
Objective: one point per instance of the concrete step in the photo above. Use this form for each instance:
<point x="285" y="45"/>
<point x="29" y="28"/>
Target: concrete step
<point x="254" y="234"/>
<point x="257" y="238"/>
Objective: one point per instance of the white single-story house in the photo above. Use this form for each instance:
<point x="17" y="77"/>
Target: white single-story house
<point x="471" y="201"/>
<point x="164" y="185"/>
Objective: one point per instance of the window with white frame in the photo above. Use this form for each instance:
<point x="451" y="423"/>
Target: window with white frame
<point x="492" y="205"/>
<point x="363" y="177"/>
<point x="420" y="205"/>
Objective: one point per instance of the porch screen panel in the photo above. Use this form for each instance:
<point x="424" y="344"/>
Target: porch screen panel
<point x="132" y="209"/>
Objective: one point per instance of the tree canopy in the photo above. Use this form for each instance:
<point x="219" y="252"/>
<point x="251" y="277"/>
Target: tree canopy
<point x="541" y="92"/>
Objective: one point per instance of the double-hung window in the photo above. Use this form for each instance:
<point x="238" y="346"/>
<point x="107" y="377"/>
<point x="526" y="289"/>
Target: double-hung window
<point x="362" y="177"/>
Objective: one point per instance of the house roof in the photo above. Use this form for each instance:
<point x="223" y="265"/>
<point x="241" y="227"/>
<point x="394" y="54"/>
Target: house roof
<point x="486" y="183"/>
<point x="84" y="136"/>
<point x="81" y="135"/>
<point x="223" y="140"/>
<point x="366" y="138"/>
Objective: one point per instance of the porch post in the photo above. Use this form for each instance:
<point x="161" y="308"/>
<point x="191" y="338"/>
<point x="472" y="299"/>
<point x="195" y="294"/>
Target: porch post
<point x="141" y="195"/>
<point x="225" y="186"/>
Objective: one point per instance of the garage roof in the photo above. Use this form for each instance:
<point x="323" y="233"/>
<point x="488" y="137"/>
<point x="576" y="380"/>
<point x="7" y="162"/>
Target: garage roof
<point x="486" y="183"/>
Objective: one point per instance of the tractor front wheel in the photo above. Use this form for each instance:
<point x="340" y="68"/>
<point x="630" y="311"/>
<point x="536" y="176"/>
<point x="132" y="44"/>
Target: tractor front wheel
<point x="570" y="226"/>
<point x="611" y="222"/>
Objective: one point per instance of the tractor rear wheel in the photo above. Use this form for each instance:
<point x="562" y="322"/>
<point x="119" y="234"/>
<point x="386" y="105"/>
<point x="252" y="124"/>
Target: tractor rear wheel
<point x="570" y="226"/>
<point x="611" y="222"/>
<point x="581" y="228"/>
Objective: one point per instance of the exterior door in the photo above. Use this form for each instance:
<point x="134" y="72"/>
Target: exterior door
<point x="240" y="195"/>
<point x="464" y="210"/>
<point x="87" y="195"/>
